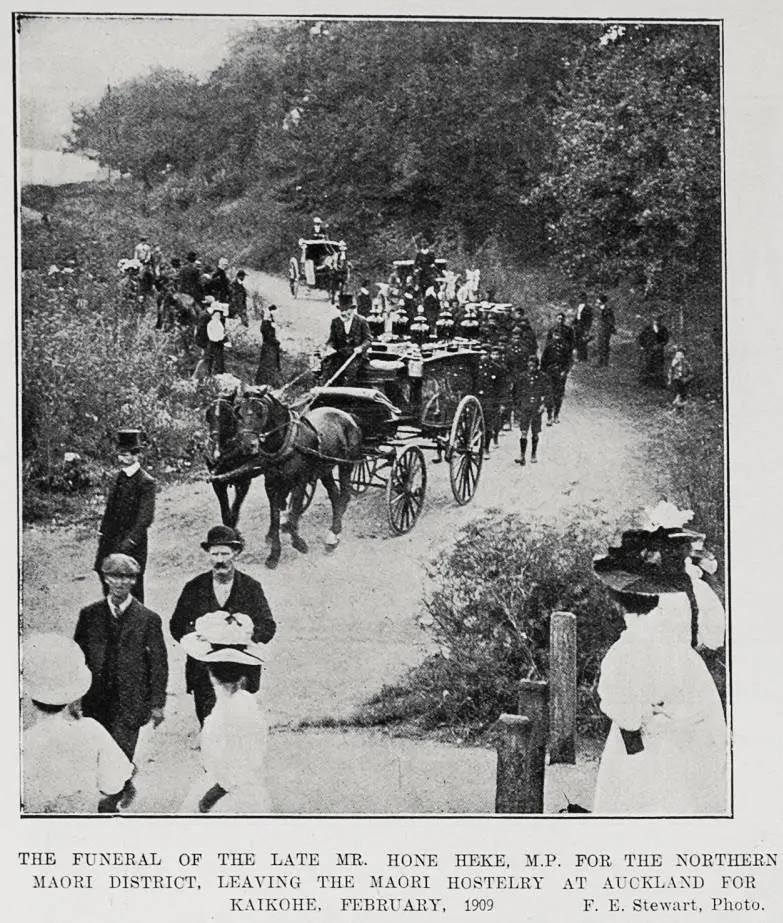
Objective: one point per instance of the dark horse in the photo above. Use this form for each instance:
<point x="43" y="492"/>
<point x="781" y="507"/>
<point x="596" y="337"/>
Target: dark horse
<point x="290" y="451"/>
<point x="229" y="449"/>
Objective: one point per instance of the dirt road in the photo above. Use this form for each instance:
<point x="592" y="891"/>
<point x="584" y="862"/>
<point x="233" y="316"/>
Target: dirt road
<point x="346" y="620"/>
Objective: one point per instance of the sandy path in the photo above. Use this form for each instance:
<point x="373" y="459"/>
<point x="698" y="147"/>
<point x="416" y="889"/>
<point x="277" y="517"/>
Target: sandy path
<point x="347" y="620"/>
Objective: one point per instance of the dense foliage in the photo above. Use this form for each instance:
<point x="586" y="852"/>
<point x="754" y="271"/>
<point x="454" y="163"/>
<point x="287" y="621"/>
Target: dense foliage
<point x="489" y="613"/>
<point x="600" y="144"/>
<point x="634" y="180"/>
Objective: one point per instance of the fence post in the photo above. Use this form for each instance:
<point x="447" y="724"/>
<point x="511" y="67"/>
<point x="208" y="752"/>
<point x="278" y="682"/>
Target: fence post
<point x="533" y="696"/>
<point x="562" y="682"/>
<point x="513" y="778"/>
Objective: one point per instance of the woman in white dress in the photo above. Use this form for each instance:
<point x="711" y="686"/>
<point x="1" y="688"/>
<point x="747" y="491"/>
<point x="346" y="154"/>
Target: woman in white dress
<point x="70" y="763"/>
<point x="234" y="736"/>
<point x="666" y="750"/>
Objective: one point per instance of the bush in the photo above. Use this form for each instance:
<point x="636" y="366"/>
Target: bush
<point x="489" y="617"/>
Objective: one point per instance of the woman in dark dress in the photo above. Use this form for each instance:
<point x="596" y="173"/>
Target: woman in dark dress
<point x="268" y="372"/>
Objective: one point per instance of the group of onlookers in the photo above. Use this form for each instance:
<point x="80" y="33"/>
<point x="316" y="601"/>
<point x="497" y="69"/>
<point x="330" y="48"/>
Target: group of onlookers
<point x="92" y="695"/>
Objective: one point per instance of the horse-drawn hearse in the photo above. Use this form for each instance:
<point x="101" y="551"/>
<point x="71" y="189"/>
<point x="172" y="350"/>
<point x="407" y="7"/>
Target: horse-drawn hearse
<point x="408" y="400"/>
<point x="320" y="265"/>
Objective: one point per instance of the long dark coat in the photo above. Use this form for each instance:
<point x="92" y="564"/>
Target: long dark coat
<point x="198" y="598"/>
<point x="268" y="372"/>
<point x="130" y="510"/>
<point x="129" y="666"/>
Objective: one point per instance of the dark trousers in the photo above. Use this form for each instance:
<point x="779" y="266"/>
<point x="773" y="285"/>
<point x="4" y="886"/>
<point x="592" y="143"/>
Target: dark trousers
<point x="603" y="350"/>
<point x="124" y="731"/>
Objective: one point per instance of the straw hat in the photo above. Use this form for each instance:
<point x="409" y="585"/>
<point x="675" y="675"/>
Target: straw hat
<point x="223" y="637"/>
<point x="54" y="670"/>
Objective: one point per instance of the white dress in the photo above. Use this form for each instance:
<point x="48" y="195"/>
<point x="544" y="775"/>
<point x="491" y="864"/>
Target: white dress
<point x="69" y="764"/>
<point x="653" y="680"/>
<point x="233" y="752"/>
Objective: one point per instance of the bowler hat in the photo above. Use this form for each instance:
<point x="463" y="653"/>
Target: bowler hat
<point x="120" y="565"/>
<point x="130" y="440"/>
<point x="223" y="535"/>
<point x="54" y="670"/>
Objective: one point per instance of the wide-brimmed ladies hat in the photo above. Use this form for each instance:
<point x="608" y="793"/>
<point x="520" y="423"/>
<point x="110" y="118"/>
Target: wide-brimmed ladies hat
<point x="53" y="669"/>
<point x="650" y="561"/>
<point x="223" y="637"/>
<point x="223" y="535"/>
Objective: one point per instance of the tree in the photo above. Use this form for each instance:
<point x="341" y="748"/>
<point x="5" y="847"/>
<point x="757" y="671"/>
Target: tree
<point x="145" y="126"/>
<point x="634" y="187"/>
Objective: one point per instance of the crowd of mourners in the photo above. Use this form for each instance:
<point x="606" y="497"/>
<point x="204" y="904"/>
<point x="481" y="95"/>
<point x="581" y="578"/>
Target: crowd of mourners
<point x="94" y="692"/>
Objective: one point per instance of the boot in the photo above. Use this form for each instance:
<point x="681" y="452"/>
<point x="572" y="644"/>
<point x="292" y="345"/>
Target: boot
<point x="533" y="459"/>
<point x="522" y="450"/>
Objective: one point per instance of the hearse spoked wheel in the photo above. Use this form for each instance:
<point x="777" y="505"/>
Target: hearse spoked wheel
<point x="405" y="489"/>
<point x="465" y="451"/>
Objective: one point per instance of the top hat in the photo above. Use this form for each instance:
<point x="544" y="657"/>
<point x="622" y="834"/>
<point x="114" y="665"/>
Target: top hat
<point x="130" y="440"/>
<point x="54" y="669"/>
<point x="346" y="301"/>
<point x="191" y="257"/>
<point x="223" y="637"/>
<point x="223" y="535"/>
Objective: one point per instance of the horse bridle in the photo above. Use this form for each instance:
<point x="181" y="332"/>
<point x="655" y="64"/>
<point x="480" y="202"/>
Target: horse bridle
<point x="289" y="428"/>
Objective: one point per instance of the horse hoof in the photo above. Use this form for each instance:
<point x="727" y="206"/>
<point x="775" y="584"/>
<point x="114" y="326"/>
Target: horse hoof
<point x="271" y="562"/>
<point x="300" y="544"/>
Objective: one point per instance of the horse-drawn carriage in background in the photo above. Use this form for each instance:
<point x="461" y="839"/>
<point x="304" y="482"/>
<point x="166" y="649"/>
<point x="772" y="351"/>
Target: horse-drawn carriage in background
<point x="321" y="265"/>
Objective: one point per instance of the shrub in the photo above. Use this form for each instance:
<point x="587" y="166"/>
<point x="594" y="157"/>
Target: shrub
<point x="488" y="615"/>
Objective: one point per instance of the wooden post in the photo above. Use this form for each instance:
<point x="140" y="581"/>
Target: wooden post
<point x="512" y="795"/>
<point x="562" y="684"/>
<point x="533" y="705"/>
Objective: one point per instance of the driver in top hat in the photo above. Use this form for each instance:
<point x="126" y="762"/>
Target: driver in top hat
<point x="349" y="334"/>
<point x="130" y="510"/>
<point x="226" y="589"/>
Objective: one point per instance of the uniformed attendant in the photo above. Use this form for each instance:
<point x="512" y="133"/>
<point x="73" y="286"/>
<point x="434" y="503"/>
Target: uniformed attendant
<point x="528" y="337"/>
<point x="516" y="364"/>
<point x="562" y="329"/>
<point x="130" y="510"/>
<point x="532" y="398"/>
<point x="492" y="393"/>
<point x="556" y="363"/>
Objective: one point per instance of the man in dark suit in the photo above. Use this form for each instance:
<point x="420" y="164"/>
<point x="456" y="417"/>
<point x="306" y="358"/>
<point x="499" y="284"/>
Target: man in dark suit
<point x="349" y="334"/>
<point x="124" y="649"/>
<point x="226" y="589"/>
<point x="130" y="509"/>
<point x="190" y="279"/>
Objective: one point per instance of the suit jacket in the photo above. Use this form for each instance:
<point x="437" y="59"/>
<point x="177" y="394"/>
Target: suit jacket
<point x="132" y="668"/>
<point x="197" y="598"/>
<point x="130" y="510"/>
<point x="358" y="334"/>
<point x="190" y="281"/>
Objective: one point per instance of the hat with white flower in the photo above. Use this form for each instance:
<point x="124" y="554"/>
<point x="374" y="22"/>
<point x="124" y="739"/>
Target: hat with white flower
<point x="651" y="560"/>
<point x="223" y="637"/>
